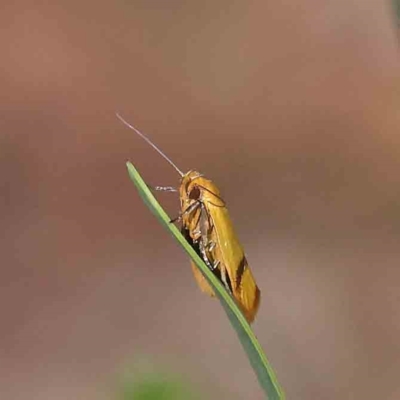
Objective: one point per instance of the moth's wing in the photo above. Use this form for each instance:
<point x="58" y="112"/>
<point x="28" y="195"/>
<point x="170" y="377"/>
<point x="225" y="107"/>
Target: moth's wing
<point x="201" y="281"/>
<point x="248" y="293"/>
<point x="230" y="252"/>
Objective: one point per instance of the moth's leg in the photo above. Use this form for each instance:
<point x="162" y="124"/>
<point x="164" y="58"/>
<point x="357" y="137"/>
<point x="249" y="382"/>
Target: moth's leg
<point x="202" y="226"/>
<point x="224" y="280"/>
<point x="205" y="225"/>
<point x="189" y="210"/>
<point x="204" y="232"/>
<point x="192" y="207"/>
<point x="211" y="246"/>
<point x="215" y="265"/>
<point x="197" y="232"/>
<point x="205" y="257"/>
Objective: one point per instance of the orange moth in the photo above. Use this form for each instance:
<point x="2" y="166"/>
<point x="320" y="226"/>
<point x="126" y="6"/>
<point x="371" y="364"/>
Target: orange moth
<point x="206" y="225"/>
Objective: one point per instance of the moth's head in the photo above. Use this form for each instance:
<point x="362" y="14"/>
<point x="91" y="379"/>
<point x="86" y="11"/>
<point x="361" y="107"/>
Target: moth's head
<point x="194" y="187"/>
<point x="189" y="189"/>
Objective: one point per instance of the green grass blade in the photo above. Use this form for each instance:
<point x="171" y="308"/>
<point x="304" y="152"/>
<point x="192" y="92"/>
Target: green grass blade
<point x="255" y="354"/>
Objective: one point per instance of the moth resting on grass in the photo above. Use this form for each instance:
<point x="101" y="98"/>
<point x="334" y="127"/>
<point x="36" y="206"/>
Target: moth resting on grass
<point x="206" y="225"/>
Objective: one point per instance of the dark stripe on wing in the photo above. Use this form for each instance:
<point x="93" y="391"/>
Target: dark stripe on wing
<point x="240" y="271"/>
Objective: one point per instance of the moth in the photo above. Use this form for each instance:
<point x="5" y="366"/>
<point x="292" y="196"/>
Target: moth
<point x="207" y="226"/>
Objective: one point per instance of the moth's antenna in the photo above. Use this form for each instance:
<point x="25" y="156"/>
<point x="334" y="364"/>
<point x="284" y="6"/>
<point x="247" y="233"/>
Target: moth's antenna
<point x="149" y="142"/>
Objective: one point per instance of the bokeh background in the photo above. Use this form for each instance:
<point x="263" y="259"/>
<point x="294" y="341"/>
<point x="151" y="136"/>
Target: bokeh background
<point x="291" y="107"/>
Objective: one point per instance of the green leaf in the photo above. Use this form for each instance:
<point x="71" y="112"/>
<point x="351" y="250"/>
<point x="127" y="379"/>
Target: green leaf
<point x="156" y="387"/>
<point x="255" y="354"/>
<point x="396" y="6"/>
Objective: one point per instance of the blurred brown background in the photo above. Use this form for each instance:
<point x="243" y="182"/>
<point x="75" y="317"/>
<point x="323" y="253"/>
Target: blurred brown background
<point x="291" y="107"/>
